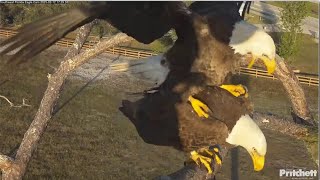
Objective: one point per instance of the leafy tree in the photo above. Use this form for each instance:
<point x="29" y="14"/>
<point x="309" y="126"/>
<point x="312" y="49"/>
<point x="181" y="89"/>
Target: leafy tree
<point x="291" y="17"/>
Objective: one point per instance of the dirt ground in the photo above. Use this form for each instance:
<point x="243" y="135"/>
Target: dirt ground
<point x="88" y="138"/>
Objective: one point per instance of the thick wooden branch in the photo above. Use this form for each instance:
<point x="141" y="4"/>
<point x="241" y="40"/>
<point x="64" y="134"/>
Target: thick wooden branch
<point x="56" y="81"/>
<point x="301" y="113"/>
<point x="81" y="38"/>
<point x="6" y="162"/>
<point x="193" y="172"/>
<point x="190" y="172"/>
<point x="295" y="92"/>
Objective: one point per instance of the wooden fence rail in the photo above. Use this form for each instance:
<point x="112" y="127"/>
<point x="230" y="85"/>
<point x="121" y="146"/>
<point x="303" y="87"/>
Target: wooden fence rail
<point x="310" y="80"/>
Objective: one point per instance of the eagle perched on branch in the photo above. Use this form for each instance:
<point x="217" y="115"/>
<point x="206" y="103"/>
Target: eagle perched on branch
<point x="192" y="108"/>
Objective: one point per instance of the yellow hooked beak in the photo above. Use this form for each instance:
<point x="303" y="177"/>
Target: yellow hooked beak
<point x="258" y="160"/>
<point x="270" y="63"/>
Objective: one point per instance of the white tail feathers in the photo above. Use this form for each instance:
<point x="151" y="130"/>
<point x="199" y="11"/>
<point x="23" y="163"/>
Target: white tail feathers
<point x="154" y="68"/>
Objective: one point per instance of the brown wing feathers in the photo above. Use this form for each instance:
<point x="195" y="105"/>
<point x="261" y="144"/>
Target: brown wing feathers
<point x="159" y="119"/>
<point x="37" y="36"/>
<point x="163" y="120"/>
<point x="144" y="21"/>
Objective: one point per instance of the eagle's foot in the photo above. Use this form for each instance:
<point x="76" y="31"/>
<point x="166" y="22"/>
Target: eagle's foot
<point x="209" y="157"/>
<point x="236" y="90"/>
<point x="269" y="63"/>
<point x="253" y="59"/>
<point x="199" y="107"/>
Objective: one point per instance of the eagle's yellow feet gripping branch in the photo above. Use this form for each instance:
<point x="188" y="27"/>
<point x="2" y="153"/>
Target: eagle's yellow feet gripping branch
<point x="269" y="63"/>
<point x="236" y="90"/>
<point x="199" y="107"/>
<point x="207" y="157"/>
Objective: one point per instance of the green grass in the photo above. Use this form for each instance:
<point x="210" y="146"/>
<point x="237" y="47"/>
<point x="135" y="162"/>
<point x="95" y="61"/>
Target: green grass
<point x="87" y="138"/>
<point x="269" y="96"/>
<point x="307" y="58"/>
<point x="312" y="141"/>
<point x="267" y="100"/>
<point x="313" y="7"/>
<point x="90" y="139"/>
<point x="155" y="46"/>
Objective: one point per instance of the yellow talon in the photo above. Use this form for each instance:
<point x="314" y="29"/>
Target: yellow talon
<point x="205" y="156"/>
<point x="270" y="64"/>
<point x="252" y="61"/>
<point x="216" y="157"/>
<point x="236" y="90"/>
<point x="199" y="107"/>
<point x="204" y="160"/>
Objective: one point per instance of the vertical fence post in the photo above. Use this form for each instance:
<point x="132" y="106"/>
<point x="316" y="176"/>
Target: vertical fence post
<point x="309" y="81"/>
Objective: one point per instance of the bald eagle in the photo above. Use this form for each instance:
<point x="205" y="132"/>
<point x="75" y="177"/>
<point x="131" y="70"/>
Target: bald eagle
<point x="212" y="37"/>
<point x="213" y="40"/>
<point x="163" y="119"/>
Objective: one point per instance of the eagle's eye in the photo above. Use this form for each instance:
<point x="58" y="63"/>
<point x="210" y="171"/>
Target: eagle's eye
<point x="254" y="149"/>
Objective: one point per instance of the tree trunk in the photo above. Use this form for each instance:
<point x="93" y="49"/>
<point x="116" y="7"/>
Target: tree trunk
<point x="15" y="169"/>
<point x="300" y="109"/>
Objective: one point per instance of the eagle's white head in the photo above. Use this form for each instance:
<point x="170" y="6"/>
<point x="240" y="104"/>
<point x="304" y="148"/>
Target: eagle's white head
<point x="249" y="39"/>
<point x="246" y="133"/>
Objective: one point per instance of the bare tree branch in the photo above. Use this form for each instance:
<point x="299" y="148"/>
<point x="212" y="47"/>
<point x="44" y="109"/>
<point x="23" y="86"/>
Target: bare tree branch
<point x="293" y="88"/>
<point x="190" y="172"/>
<point x="193" y="172"/>
<point x="56" y="81"/>
<point x="295" y="92"/>
<point x="300" y="107"/>
<point x="81" y="38"/>
<point x="12" y="105"/>
<point x="5" y="162"/>
<point x="15" y="168"/>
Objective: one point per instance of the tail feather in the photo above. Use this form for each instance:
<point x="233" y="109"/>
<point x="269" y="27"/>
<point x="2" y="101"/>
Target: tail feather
<point x="128" y="109"/>
<point x="152" y="69"/>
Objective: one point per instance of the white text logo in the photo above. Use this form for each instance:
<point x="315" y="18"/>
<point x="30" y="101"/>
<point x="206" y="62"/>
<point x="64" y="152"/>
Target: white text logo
<point x="298" y="173"/>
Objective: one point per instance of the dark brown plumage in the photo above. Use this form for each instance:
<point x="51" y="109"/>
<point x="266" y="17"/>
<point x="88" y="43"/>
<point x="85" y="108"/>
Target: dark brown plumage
<point x="144" y="21"/>
<point x="202" y="46"/>
<point x="163" y="119"/>
<point x="199" y="57"/>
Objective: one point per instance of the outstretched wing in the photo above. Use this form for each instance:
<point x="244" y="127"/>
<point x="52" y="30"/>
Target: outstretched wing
<point x="221" y="17"/>
<point x="144" y="21"/>
<point x="37" y="36"/>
